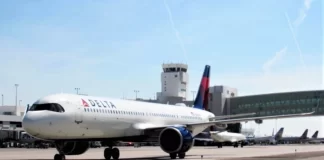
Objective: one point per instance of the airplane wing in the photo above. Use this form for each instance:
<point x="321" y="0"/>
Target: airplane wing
<point x="204" y="139"/>
<point x="196" y="128"/>
<point x="231" y="116"/>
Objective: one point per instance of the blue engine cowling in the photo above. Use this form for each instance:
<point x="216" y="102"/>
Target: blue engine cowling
<point x="175" y="140"/>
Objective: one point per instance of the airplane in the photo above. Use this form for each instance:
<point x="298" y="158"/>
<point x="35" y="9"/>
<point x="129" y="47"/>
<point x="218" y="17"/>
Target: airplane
<point x="224" y="136"/>
<point x="314" y="139"/>
<point x="273" y="139"/>
<point x="71" y="121"/>
<point x="299" y="139"/>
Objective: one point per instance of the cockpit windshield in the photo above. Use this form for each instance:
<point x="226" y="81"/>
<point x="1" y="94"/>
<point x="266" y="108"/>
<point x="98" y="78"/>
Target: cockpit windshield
<point x="47" y="106"/>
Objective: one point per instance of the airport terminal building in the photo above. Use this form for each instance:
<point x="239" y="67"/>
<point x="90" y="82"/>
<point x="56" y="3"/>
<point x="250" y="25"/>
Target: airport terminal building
<point x="10" y="123"/>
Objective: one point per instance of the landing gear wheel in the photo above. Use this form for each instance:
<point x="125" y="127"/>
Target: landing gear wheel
<point x="115" y="153"/>
<point x="59" y="157"/>
<point x="107" y="153"/>
<point x="182" y="155"/>
<point x="173" y="155"/>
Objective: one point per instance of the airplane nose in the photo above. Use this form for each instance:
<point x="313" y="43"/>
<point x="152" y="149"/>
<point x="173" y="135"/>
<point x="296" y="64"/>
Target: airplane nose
<point x="31" y="122"/>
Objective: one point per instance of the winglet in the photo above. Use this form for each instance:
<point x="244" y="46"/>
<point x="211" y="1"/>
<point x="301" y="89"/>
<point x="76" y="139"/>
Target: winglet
<point x="201" y="101"/>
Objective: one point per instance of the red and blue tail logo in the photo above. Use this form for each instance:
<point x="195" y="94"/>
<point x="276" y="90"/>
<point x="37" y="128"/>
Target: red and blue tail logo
<point x="201" y="101"/>
<point x="84" y="103"/>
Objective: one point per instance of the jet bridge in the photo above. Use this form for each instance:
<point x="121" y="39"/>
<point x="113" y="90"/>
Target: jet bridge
<point x="277" y="103"/>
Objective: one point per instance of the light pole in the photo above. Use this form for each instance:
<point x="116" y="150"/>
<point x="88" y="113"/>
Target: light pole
<point x="16" y="85"/>
<point x="276" y="125"/>
<point x="2" y="99"/>
<point x="193" y="95"/>
<point x="77" y="90"/>
<point x="19" y="102"/>
<point x="136" y="91"/>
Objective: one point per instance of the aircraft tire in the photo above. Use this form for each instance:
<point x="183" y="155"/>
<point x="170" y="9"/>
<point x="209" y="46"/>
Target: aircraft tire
<point x="107" y="153"/>
<point x="59" y="157"/>
<point x="173" y="155"/>
<point x="115" y="153"/>
<point x="182" y="155"/>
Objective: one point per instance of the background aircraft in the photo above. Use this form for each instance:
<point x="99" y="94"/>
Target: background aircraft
<point x="221" y="137"/>
<point x="273" y="139"/>
<point x="299" y="139"/>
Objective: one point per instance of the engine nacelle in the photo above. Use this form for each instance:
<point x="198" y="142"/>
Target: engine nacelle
<point x="258" y="121"/>
<point x="175" y="139"/>
<point x="72" y="148"/>
<point x="221" y="126"/>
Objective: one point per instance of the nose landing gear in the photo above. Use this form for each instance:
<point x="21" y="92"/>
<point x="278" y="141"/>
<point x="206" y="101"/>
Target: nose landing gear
<point x="59" y="157"/>
<point x="111" y="153"/>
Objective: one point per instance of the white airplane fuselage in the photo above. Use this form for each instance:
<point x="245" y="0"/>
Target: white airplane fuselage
<point x="86" y="117"/>
<point x="227" y="136"/>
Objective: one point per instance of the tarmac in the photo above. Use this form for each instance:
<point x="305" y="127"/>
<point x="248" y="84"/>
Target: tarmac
<point x="280" y="152"/>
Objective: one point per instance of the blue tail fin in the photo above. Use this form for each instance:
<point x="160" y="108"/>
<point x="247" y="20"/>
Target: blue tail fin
<point x="201" y="101"/>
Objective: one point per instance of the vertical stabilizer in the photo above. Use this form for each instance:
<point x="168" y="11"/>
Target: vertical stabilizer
<point x="315" y="134"/>
<point x="304" y="135"/>
<point x="279" y="133"/>
<point x="201" y="101"/>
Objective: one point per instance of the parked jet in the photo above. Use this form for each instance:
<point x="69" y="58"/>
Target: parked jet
<point x="225" y="137"/>
<point x="299" y="139"/>
<point x="273" y="139"/>
<point x="314" y="139"/>
<point x="71" y="121"/>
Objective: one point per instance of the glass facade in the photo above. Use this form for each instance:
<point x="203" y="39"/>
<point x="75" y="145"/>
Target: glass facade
<point x="279" y="103"/>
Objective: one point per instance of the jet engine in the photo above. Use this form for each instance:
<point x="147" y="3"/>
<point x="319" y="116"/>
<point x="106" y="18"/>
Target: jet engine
<point x="258" y="121"/>
<point x="175" y="140"/>
<point x="72" y="148"/>
<point x="221" y="126"/>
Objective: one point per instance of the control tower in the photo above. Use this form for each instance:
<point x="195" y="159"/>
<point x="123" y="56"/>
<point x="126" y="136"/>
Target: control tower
<point x="174" y="80"/>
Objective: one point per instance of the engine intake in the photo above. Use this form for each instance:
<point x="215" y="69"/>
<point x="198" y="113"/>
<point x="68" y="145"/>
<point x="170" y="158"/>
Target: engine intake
<point x="72" y="148"/>
<point x="221" y="126"/>
<point x="258" y="121"/>
<point x="175" y="139"/>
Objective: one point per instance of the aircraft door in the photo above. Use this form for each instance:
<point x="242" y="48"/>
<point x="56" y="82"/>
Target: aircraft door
<point x="79" y="115"/>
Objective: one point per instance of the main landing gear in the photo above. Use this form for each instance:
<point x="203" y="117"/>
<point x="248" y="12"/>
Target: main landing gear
<point x="236" y="145"/>
<point x="180" y="155"/>
<point x="59" y="157"/>
<point x="111" y="153"/>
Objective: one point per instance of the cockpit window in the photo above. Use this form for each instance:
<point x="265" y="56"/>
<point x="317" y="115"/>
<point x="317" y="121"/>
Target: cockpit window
<point x="48" y="106"/>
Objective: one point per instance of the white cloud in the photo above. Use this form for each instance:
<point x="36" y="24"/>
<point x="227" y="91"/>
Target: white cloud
<point x="177" y="33"/>
<point x="303" y="13"/>
<point x="273" y="60"/>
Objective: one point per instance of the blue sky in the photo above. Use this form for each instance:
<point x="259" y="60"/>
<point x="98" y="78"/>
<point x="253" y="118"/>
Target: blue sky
<point x="110" y="48"/>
